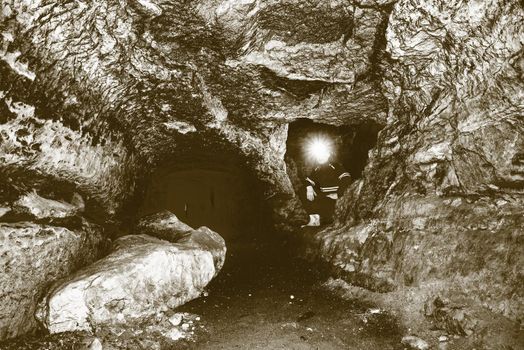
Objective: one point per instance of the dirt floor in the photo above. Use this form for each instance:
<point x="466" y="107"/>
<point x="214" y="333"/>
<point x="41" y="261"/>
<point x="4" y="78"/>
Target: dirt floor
<point x="266" y="299"/>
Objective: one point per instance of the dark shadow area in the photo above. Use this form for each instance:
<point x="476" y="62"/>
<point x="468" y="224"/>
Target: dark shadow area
<point x="351" y="145"/>
<point x="205" y="188"/>
<point x="217" y="199"/>
<point x="301" y="89"/>
<point x="266" y="297"/>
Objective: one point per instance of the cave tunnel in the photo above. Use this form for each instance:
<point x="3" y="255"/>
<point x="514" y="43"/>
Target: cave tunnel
<point x="350" y="145"/>
<point x="114" y="115"/>
<point x="214" y="187"/>
<point x="209" y="187"/>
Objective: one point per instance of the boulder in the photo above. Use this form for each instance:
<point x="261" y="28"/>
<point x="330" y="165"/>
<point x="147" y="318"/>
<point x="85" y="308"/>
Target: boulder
<point x="208" y="240"/>
<point x="140" y="278"/>
<point x="166" y="225"/>
<point x="31" y="257"/>
<point x="163" y="225"/>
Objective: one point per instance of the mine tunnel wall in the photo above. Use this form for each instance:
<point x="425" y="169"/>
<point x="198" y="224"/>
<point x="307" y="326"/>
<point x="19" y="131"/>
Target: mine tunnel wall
<point x="440" y="200"/>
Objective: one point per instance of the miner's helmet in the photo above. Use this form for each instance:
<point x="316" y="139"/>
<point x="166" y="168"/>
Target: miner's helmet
<point x="319" y="149"/>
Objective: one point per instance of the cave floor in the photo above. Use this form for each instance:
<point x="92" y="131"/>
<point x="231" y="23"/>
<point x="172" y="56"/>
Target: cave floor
<point x="265" y="299"/>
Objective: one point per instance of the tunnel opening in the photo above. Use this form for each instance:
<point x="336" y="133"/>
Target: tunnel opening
<point x="350" y="145"/>
<point x="212" y="188"/>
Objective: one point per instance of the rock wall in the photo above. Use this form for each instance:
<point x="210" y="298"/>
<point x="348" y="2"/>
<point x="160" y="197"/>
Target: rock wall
<point x="51" y="132"/>
<point x="57" y="167"/>
<point x="32" y="256"/>
<point x="94" y="96"/>
<point x="228" y="71"/>
<point x="440" y="206"/>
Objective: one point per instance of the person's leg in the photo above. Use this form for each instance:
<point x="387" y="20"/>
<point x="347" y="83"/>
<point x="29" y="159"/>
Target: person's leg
<point x="326" y="209"/>
<point x="313" y="207"/>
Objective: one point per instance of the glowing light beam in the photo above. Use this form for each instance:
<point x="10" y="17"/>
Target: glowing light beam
<point x="319" y="149"/>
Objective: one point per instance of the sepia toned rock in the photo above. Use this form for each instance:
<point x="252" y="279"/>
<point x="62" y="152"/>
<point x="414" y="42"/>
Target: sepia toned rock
<point x="31" y="257"/>
<point x="165" y="225"/>
<point x="421" y="100"/>
<point x="142" y="276"/>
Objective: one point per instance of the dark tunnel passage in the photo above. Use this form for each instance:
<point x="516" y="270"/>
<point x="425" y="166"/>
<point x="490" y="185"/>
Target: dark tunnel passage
<point x="209" y="188"/>
<point x="213" y="186"/>
<point x="264" y="284"/>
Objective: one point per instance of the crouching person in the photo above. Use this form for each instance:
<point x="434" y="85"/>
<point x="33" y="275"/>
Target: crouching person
<point x="324" y="186"/>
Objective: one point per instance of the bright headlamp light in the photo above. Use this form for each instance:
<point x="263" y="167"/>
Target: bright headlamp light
<point x="319" y="149"/>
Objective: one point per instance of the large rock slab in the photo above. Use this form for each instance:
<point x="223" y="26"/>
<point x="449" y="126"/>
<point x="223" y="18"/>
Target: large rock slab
<point x="471" y="251"/>
<point x="140" y="278"/>
<point x="31" y="257"/>
<point x="165" y="225"/>
<point x="440" y="201"/>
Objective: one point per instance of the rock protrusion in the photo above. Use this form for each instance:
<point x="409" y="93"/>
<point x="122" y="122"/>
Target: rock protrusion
<point x="32" y="256"/>
<point x="141" y="277"/>
<point x="165" y="225"/>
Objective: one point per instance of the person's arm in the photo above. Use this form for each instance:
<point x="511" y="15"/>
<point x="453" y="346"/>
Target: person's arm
<point x="310" y="187"/>
<point x="344" y="179"/>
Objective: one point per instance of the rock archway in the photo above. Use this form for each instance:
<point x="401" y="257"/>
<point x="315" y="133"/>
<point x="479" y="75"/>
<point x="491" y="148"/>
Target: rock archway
<point x="95" y="96"/>
<point x="213" y="187"/>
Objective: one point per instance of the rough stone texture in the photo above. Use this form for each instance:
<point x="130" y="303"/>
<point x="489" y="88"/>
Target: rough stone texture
<point x="32" y="256"/>
<point x="439" y="209"/>
<point x="487" y="330"/>
<point x="451" y="318"/>
<point x="142" y="276"/>
<point x="165" y="225"/>
<point x="207" y="239"/>
<point x="312" y="40"/>
<point x="415" y="343"/>
<point x="96" y="95"/>
<point x="41" y="207"/>
<point x="461" y="114"/>
<point x="156" y="333"/>
<point x="231" y="71"/>
<point x="36" y="144"/>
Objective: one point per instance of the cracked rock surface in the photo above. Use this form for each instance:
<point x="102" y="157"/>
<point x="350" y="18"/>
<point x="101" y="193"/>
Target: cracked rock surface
<point x="32" y="256"/>
<point x="439" y="208"/>
<point x="96" y="95"/>
<point x="141" y="277"/>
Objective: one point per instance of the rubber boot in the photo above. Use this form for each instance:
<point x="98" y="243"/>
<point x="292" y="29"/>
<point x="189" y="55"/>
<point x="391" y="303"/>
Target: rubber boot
<point x="314" y="220"/>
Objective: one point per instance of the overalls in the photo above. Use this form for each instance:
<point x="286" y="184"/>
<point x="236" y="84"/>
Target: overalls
<point x="328" y="181"/>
